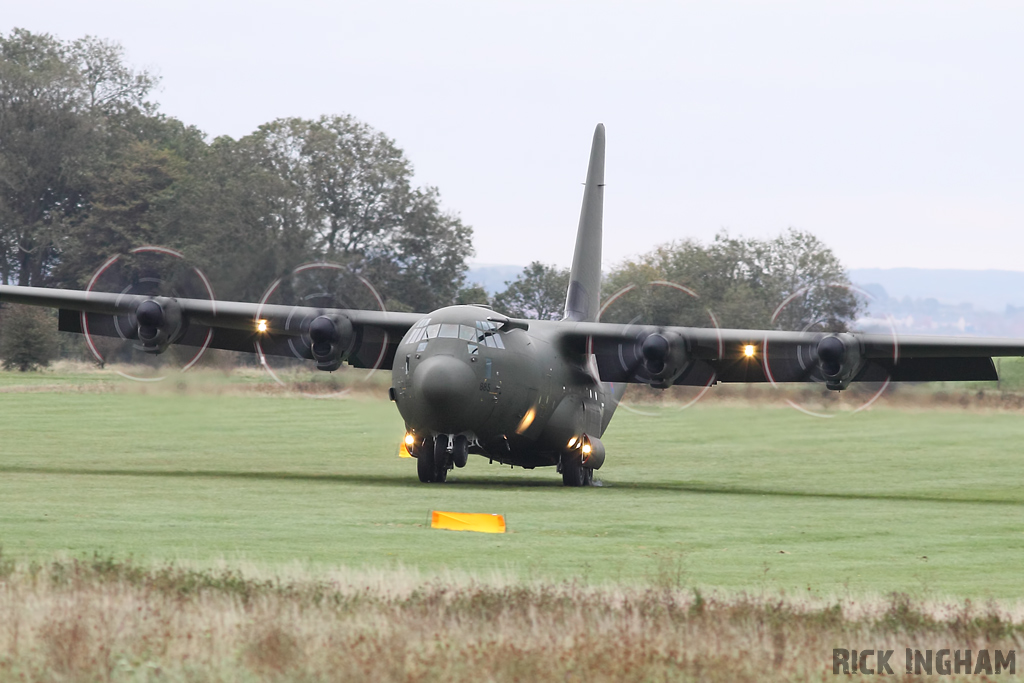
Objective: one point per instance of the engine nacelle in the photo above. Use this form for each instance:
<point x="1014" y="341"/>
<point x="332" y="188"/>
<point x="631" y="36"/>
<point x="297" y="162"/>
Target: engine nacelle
<point x="839" y="360"/>
<point x="591" y="452"/>
<point x="330" y="340"/>
<point x="158" y="322"/>
<point x="588" y="450"/>
<point x="664" y="357"/>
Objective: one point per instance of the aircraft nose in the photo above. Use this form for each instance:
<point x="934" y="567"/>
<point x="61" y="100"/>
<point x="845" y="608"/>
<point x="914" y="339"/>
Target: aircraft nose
<point x="447" y="386"/>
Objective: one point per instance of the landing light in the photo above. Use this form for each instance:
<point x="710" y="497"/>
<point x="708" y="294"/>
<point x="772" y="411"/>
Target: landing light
<point x="748" y="350"/>
<point x="572" y="442"/>
<point x="261" y="325"/>
<point x="586" y="447"/>
<point x="527" y="420"/>
<point x="409" y="439"/>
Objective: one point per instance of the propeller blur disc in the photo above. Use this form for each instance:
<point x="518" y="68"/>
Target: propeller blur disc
<point x="148" y="271"/>
<point x="800" y="310"/>
<point x="312" y="290"/>
<point x="659" y="303"/>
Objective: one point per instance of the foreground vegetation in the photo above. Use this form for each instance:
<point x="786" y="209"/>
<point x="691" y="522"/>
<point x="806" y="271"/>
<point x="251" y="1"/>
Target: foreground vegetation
<point x="100" y="619"/>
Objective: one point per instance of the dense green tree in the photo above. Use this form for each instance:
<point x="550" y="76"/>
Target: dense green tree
<point x="62" y="107"/>
<point x="428" y="253"/>
<point x="353" y="182"/>
<point x="473" y="294"/>
<point x="347" y="195"/>
<point x="236" y="220"/>
<point x="126" y="209"/>
<point x="89" y="169"/>
<point x="742" y="282"/>
<point x="28" y="337"/>
<point x="538" y="292"/>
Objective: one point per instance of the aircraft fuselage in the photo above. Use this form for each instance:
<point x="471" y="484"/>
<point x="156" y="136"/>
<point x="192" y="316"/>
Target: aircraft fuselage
<point x="514" y="394"/>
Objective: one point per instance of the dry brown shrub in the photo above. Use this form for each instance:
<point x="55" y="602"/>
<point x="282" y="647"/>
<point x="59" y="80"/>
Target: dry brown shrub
<point x="67" y="645"/>
<point x="102" y="620"/>
<point x="272" y="649"/>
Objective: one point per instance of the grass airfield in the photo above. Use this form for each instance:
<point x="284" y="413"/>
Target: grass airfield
<point x="725" y="496"/>
<point x="222" y="529"/>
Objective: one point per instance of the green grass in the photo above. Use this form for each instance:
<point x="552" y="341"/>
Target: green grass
<point x="732" y="497"/>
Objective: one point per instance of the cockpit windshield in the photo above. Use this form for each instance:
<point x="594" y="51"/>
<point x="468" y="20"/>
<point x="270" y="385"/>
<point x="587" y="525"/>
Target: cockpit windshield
<point x="483" y="332"/>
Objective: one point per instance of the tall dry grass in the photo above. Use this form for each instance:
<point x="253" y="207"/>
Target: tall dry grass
<point x="104" y="620"/>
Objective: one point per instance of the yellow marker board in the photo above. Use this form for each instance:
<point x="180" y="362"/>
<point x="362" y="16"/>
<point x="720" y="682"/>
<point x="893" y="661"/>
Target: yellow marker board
<point x="403" y="450"/>
<point x="468" y="521"/>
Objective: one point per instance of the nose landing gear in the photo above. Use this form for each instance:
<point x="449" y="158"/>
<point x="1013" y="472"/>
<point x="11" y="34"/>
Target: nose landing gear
<point x="432" y="460"/>
<point x="460" y="450"/>
<point x="436" y="456"/>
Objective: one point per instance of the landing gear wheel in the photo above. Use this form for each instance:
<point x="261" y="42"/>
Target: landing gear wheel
<point x="441" y="459"/>
<point x="425" y="461"/>
<point x="460" y="451"/>
<point x="575" y="474"/>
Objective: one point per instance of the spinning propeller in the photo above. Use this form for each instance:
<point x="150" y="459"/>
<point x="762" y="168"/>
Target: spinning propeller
<point x="660" y="358"/>
<point x="832" y="361"/>
<point x="143" y="339"/>
<point x="317" y="332"/>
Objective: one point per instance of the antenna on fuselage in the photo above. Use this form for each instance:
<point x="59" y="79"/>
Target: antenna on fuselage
<point x="583" y="298"/>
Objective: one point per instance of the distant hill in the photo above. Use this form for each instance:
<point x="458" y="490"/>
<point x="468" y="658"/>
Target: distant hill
<point x="492" y="277"/>
<point x="984" y="303"/>
<point x="991" y="290"/>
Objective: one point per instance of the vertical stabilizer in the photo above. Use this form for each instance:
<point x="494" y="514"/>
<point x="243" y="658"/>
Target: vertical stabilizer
<point x="583" y="299"/>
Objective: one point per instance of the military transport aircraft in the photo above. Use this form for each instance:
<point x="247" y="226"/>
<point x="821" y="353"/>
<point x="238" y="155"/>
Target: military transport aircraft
<point x="531" y="393"/>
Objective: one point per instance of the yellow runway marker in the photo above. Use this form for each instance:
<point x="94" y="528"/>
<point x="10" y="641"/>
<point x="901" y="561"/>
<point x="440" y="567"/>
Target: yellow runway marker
<point x="403" y="450"/>
<point x="468" y="521"/>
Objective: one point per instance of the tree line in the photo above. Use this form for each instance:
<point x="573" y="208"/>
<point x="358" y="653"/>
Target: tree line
<point x="90" y="168"/>
<point x="793" y="281"/>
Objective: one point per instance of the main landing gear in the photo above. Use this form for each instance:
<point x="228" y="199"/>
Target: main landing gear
<point x="574" y="473"/>
<point x="436" y="456"/>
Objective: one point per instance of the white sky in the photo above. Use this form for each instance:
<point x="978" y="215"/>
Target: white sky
<point x="893" y="130"/>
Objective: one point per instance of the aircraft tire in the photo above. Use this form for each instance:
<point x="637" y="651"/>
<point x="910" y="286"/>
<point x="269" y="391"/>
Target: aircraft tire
<point x="460" y="452"/>
<point x="425" y="461"/>
<point x="575" y="474"/>
<point x="440" y="460"/>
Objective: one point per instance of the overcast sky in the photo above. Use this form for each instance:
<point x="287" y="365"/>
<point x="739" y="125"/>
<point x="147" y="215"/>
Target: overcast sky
<point x="893" y="130"/>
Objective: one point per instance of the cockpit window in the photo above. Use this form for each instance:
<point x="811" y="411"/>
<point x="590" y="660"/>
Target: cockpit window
<point x="494" y="341"/>
<point x="421" y="331"/>
<point x="485" y="333"/>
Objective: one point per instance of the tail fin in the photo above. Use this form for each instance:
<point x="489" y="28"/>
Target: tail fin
<point x="583" y="299"/>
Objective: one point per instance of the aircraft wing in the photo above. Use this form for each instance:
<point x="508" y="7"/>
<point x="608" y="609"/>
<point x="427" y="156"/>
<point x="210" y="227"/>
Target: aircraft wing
<point x="365" y="338"/>
<point x="663" y="356"/>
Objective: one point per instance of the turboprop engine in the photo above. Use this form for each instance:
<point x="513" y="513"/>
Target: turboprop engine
<point x="158" y="322"/>
<point x="331" y="339"/>
<point x="664" y="357"/>
<point x="839" y="359"/>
